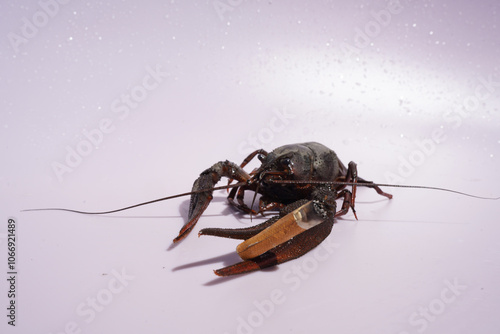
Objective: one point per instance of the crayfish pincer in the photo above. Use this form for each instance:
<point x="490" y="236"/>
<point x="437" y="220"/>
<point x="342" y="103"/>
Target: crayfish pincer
<point x="302" y="181"/>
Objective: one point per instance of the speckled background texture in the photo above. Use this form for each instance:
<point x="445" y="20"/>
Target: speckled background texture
<point x="105" y="104"/>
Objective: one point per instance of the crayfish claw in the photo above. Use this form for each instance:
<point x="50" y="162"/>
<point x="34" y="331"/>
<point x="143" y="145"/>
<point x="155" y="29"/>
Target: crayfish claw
<point x="284" y="238"/>
<point x="289" y="250"/>
<point x="203" y="190"/>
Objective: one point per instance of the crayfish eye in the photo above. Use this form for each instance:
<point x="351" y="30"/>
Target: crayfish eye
<point x="285" y="161"/>
<point x="261" y="157"/>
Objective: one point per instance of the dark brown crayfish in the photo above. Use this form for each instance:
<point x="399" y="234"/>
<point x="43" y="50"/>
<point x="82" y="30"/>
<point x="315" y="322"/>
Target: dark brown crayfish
<point x="302" y="180"/>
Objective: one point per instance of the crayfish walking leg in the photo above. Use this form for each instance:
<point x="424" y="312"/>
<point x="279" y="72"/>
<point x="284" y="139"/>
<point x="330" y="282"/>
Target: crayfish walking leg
<point x="351" y="175"/>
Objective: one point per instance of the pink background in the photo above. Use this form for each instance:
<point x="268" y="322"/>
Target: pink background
<point x="149" y="94"/>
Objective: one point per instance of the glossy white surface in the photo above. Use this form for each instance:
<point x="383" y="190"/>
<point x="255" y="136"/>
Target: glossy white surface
<point x="148" y="96"/>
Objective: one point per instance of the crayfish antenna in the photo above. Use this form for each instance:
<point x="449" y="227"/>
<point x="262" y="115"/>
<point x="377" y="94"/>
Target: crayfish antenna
<point x="371" y="184"/>
<point x="239" y="184"/>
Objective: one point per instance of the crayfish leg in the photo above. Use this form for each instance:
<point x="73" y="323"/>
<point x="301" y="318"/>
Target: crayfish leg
<point x="351" y="175"/>
<point x="239" y="233"/>
<point x="207" y="180"/>
<point x="289" y="250"/>
<point x="370" y="184"/>
<point x="248" y="232"/>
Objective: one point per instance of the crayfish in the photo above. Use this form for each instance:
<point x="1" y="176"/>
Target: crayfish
<point x="302" y="181"/>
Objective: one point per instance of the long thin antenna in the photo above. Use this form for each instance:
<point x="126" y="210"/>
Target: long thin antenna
<point x="368" y="184"/>
<point x="239" y="184"/>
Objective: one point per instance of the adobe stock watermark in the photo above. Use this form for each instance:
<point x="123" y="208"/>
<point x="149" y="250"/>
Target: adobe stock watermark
<point x="293" y="278"/>
<point x="425" y="148"/>
<point x="122" y="107"/>
<point x="486" y="88"/>
<point x="363" y="37"/>
<point x="424" y="316"/>
<point x="408" y="165"/>
<point x="89" y="309"/>
<point x="223" y="6"/>
<point x="30" y="27"/>
<point x="265" y="135"/>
